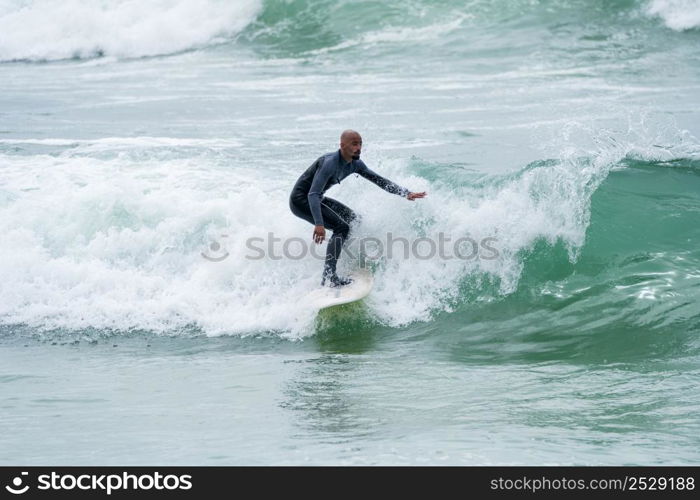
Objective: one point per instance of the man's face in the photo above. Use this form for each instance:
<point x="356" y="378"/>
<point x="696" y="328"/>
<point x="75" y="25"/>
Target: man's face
<point x="351" y="146"/>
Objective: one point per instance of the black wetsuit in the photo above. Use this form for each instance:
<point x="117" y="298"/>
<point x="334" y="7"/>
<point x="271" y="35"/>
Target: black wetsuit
<point x="307" y="200"/>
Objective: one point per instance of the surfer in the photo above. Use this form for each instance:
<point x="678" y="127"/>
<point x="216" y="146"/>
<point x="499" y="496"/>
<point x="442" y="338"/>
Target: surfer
<point x="307" y="200"/>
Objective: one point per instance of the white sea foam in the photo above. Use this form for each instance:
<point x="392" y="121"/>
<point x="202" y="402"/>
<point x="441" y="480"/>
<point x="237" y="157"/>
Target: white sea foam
<point x="677" y="14"/>
<point x="119" y="243"/>
<point x="126" y="142"/>
<point x="47" y="30"/>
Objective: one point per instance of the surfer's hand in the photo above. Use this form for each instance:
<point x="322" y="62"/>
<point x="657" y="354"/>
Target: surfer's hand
<point x="319" y="234"/>
<point x="414" y="196"/>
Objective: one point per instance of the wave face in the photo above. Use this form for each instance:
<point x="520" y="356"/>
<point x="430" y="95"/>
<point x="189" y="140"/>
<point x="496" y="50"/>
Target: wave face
<point x="43" y="30"/>
<point x="92" y="238"/>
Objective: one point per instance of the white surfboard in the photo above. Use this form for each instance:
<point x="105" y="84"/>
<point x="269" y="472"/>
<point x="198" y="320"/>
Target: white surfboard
<point x="325" y="296"/>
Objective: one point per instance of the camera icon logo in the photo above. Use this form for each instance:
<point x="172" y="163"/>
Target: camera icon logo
<point x="17" y="483"/>
<point x="219" y="251"/>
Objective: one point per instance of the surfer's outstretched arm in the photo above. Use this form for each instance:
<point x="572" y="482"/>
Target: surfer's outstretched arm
<point x="386" y="184"/>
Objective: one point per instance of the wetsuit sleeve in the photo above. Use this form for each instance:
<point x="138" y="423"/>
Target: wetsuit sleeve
<point x="380" y="181"/>
<point x="323" y="173"/>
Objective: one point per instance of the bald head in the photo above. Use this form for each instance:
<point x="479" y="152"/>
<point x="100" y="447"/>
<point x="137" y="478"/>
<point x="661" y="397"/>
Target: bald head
<point x="349" y="135"/>
<point x="350" y="145"/>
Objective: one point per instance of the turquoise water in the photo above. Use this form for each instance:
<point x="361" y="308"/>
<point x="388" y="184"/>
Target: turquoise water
<point x="138" y="140"/>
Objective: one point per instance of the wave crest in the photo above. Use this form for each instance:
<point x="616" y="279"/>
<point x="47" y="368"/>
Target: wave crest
<point x="48" y="30"/>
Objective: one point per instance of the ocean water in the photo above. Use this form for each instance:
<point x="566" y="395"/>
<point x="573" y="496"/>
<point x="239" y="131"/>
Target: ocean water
<point x="145" y="145"/>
